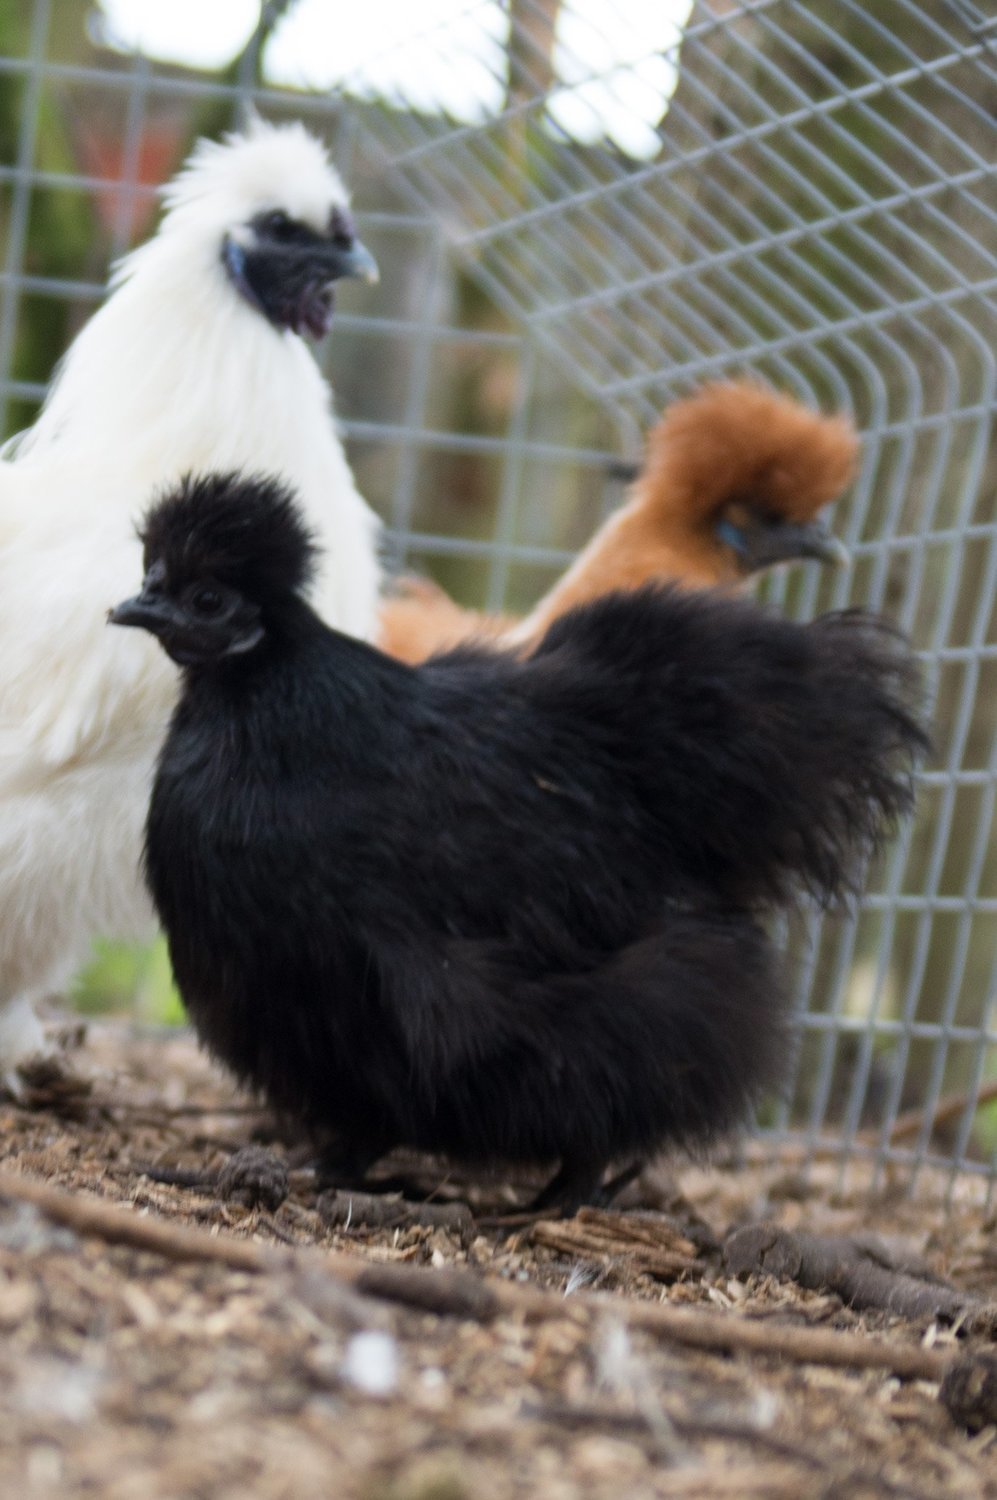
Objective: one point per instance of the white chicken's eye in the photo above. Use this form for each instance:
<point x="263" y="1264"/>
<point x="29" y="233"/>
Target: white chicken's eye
<point x="207" y="601"/>
<point x="277" y="222"/>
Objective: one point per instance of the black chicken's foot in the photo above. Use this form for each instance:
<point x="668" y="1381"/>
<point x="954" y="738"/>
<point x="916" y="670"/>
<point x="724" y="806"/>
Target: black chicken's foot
<point x="346" y="1166"/>
<point x="251" y="1176"/>
<point x="579" y="1184"/>
<point x="347" y="1169"/>
<point x="610" y="1191"/>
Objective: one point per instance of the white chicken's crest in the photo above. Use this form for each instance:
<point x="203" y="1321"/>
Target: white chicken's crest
<point x="269" y="166"/>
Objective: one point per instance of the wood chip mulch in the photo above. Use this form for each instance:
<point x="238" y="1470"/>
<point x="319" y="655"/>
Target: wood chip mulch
<point x="333" y="1347"/>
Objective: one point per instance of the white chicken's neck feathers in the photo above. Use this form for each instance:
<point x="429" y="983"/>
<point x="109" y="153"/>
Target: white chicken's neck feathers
<point x="174" y="373"/>
<point x="179" y="362"/>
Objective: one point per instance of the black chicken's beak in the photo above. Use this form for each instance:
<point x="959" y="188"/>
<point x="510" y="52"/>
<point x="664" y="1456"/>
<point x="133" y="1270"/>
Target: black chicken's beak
<point x="762" y="543"/>
<point x="146" y="611"/>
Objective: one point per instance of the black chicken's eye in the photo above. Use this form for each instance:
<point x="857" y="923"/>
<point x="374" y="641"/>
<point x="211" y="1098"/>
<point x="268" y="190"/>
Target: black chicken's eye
<point x="207" y="601"/>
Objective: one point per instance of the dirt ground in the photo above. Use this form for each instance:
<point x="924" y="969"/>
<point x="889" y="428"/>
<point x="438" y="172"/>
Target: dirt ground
<point x="129" y="1376"/>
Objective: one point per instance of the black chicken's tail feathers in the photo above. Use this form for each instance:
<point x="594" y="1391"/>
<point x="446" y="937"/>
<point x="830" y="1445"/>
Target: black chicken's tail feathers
<point x="776" y="757"/>
<point x="869" y="733"/>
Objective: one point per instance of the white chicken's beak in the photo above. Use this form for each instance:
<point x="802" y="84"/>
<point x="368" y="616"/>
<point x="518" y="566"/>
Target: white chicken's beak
<point x="352" y="260"/>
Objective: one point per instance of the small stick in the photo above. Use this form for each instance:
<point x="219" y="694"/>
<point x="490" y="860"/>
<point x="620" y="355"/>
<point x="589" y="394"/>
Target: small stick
<point x="184" y="1177"/>
<point x="815" y="1346"/>
<point x="342" y="1209"/>
<point x="950" y="1107"/>
<point x="119" y="1225"/>
<point x="847" y="1265"/>
<point x="587" y="1415"/>
<point x="908" y="1124"/>
<point x="465" y="1294"/>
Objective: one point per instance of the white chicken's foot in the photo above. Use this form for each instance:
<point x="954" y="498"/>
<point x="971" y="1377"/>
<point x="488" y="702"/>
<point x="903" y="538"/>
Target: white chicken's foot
<point x="23" y="1040"/>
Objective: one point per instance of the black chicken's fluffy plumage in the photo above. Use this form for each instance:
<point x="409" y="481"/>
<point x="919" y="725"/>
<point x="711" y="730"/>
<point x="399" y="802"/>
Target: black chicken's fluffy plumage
<point x="506" y="909"/>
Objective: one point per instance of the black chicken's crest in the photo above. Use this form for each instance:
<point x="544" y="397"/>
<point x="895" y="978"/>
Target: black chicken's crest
<point x="244" y="531"/>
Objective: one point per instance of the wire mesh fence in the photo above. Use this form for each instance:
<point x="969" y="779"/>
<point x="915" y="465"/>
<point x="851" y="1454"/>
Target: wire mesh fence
<point x="580" y="215"/>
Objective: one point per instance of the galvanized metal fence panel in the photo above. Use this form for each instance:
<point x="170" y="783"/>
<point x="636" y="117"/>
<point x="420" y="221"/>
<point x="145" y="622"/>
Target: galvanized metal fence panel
<point x="812" y="202"/>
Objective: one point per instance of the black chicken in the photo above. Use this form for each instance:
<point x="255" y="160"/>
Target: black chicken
<point x="505" y="909"/>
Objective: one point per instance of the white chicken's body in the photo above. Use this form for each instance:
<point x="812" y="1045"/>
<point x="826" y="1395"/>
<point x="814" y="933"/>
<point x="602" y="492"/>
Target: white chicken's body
<point x="175" y="373"/>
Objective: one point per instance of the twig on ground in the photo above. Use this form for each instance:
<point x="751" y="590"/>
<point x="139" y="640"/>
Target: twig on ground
<point x="340" y="1208"/>
<point x="950" y="1107"/>
<point x="817" y="1346"/>
<point x="520" y="1219"/>
<point x="465" y="1294"/>
<point x="450" y="1292"/>
<point x="590" y="1414"/>
<point x="909" y="1124"/>
<point x="120" y="1225"/>
<point x="649" y="1244"/>
<point x="855" y="1268"/>
<point x="183" y="1177"/>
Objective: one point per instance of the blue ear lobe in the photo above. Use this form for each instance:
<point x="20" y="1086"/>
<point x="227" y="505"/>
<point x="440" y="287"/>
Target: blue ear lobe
<point x="234" y="261"/>
<point x="234" y="257"/>
<point x="727" y="532"/>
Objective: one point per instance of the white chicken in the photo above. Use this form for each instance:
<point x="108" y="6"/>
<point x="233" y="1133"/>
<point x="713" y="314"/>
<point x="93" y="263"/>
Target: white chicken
<point x="196" y="361"/>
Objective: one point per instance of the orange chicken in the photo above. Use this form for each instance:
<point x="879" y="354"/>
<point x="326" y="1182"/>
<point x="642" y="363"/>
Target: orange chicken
<point x="732" y="482"/>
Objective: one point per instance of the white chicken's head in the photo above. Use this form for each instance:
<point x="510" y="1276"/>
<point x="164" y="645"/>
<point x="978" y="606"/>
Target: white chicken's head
<point x="272" y="207"/>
